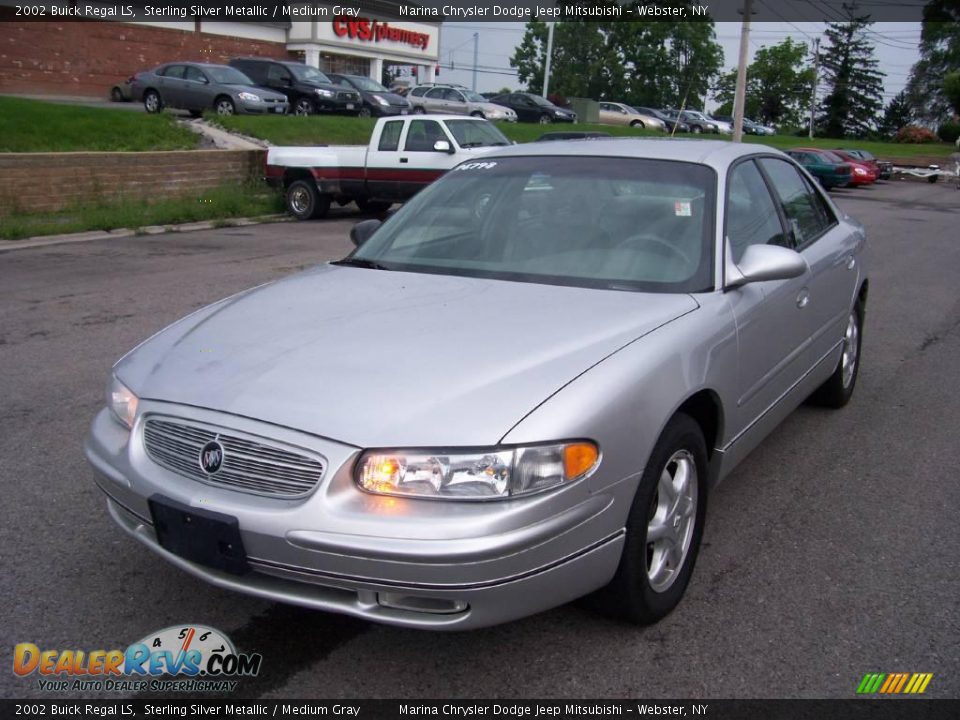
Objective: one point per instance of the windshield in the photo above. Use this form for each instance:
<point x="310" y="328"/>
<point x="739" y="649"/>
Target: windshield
<point x="368" y="84"/>
<point x="307" y="73"/>
<point x="612" y="223"/>
<point x="227" y="76"/>
<point x="474" y="97"/>
<point x="474" y="133"/>
<point x="831" y="157"/>
<point x="542" y="102"/>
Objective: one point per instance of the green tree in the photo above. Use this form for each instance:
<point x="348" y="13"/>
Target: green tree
<point x="646" y="63"/>
<point x="779" y="85"/>
<point x="855" y="86"/>
<point x="939" y="56"/>
<point x="951" y="90"/>
<point x="898" y="113"/>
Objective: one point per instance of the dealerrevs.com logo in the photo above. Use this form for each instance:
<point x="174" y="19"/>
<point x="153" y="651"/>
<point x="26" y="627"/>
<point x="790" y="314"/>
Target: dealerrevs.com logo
<point x="183" y="658"/>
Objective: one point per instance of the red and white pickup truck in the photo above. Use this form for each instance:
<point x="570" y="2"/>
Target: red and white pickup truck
<point x="404" y="156"/>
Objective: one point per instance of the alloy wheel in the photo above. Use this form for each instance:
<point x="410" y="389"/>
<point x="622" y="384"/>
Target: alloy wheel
<point x="672" y="519"/>
<point x="851" y="349"/>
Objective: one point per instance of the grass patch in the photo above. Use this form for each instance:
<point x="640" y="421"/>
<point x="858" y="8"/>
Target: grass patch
<point x="38" y="126"/>
<point x="336" y="130"/>
<point x="219" y="204"/>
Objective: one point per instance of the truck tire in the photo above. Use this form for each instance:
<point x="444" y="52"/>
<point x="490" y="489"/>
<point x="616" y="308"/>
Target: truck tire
<point x="305" y="202"/>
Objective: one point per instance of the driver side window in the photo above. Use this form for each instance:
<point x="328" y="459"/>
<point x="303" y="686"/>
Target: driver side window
<point x="277" y="74"/>
<point x="752" y="217"/>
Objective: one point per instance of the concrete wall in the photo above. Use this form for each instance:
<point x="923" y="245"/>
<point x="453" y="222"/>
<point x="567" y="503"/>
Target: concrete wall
<point x="31" y="182"/>
<point x="88" y="58"/>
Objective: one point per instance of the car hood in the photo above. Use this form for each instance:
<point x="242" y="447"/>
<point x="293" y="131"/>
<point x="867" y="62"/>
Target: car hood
<point x="495" y="108"/>
<point x="391" y="98"/>
<point x="376" y="358"/>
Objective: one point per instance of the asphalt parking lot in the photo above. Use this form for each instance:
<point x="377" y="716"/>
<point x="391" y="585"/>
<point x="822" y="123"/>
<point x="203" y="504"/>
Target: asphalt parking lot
<point x="831" y="552"/>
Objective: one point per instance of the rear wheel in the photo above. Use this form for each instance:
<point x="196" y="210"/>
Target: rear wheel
<point x="545" y="119"/>
<point x="664" y="528"/>
<point x="838" y="389"/>
<point x="373" y="207"/>
<point x="305" y="202"/>
<point x="116" y="95"/>
<point x="152" y="102"/>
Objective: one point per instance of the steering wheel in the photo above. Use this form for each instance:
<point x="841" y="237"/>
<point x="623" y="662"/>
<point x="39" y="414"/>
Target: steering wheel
<point x="656" y="244"/>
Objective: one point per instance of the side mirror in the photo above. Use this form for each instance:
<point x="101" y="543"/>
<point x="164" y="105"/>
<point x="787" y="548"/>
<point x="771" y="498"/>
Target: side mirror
<point x="443" y="146"/>
<point x="362" y="231"/>
<point x="764" y="262"/>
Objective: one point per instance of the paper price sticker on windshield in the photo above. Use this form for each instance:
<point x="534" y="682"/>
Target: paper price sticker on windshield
<point x="681" y="208"/>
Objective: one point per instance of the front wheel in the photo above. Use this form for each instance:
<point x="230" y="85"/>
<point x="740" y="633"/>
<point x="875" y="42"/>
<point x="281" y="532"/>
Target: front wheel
<point x="365" y="112"/>
<point x="664" y="528"/>
<point x="696" y="129"/>
<point x="152" y="102"/>
<point x="419" y="110"/>
<point x="224" y="106"/>
<point x="305" y="202"/>
<point x="838" y="389"/>
<point x="303" y="107"/>
<point x="638" y="124"/>
<point x="545" y="119"/>
<point x="478" y="114"/>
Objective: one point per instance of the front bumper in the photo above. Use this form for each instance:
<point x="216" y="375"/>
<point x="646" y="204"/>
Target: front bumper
<point x="345" y="551"/>
<point x="263" y="108"/>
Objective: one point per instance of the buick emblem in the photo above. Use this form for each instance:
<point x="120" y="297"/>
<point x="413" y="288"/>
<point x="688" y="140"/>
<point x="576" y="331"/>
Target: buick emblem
<point x="211" y="457"/>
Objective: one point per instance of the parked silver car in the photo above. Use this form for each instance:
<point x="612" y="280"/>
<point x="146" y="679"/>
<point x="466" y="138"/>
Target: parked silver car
<point x="612" y="113"/>
<point x="518" y="390"/>
<point x="197" y="87"/>
<point x="458" y="100"/>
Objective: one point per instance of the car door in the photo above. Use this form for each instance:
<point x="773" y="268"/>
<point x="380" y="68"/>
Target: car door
<point x="770" y="316"/>
<point x="527" y="110"/>
<point x="456" y="102"/>
<point x="196" y="88"/>
<point x="434" y="100"/>
<point x="828" y="246"/>
<point x="280" y="79"/>
<point x="384" y="166"/>
<point x="171" y="85"/>
<point x="608" y="115"/>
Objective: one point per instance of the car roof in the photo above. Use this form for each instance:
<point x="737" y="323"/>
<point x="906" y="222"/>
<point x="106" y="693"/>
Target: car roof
<point x="715" y="153"/>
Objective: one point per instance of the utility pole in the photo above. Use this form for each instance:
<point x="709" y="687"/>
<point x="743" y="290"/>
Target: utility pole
<point x="740" y="97"/>
<point x="476" y="43"/>
<point x="816" y="80"/>
<point x="546" y="65"/>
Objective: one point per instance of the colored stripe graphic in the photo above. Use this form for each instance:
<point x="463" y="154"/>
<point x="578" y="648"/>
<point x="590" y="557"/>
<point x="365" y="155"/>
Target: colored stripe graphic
<point x="894" y="683"/>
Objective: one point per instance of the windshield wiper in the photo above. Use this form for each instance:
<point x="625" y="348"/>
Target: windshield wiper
<point x="361" y="262"/>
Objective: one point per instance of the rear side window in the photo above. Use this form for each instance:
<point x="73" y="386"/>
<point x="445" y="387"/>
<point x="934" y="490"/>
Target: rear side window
<point x="173" y="71"/>
<point x="752" y="217"/>
<point x="194" y="74"/>
<point x="418" y="91"/>
<point x="804" y="213"/>
<point x="422" y="135"/>
<point x="390" y="137"/>
<point x="436" y="93"/>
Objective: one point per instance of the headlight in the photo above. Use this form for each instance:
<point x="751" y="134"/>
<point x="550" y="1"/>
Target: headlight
<point x="122" y="402"/>
<point x="485" y="474"/>
<point x="249" y="97"/>
<point x="380" y="100"/>
<point x="324" y="93"/>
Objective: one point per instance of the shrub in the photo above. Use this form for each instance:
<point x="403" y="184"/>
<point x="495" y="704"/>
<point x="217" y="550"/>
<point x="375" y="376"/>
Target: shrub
<point x="915" y="134"/>
<point x="949" y="131"/>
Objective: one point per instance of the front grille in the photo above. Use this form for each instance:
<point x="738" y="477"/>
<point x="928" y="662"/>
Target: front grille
<point x="250" y="464"/>
<point x="348" y="96"/>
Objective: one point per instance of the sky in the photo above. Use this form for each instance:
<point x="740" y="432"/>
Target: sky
<point x="896" y="49"/>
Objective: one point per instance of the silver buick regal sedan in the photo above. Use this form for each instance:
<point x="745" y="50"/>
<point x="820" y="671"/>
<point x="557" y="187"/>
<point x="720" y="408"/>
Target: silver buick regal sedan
<point x="517" y="391"/>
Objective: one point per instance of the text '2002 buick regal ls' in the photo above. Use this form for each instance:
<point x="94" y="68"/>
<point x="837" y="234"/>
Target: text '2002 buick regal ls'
<point x="516" y="391"/>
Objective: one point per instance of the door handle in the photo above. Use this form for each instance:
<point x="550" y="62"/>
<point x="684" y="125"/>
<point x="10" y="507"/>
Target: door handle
<point x="803" y="299"/>
<point x="403" y="160"/>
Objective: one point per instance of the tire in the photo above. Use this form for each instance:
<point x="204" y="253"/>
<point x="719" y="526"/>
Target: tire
<point x="152" y="102"/>
<point x="545" y="119"/>
<point x="224" y="106"/>
<point x="478" y="114"/>
<point x="305" y="202"/>
<point x="696" y="130"/>
<point x="638" y="124"/>
<point x="650" y="581"/>
<point x="419" y="110"/>
<point x="838" y="389"/>
<point x="933" y="178"/>
<point x="372" y="207"/>
<point x="304" y="107"/>
<point x="116" y="95"/>
<point x="365" y="112"/>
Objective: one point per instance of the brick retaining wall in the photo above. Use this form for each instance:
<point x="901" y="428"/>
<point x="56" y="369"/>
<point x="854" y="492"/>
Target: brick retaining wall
<point x="31" y="182"/>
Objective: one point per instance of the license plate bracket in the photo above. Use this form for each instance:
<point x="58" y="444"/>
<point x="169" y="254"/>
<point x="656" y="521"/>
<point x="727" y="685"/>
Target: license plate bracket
<point x="201" y="536"/>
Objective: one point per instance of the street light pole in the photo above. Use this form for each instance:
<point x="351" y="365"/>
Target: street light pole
<point x="476" y="42"/>
<point x="741" y="95"/>
<point x="546" y="65"/>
